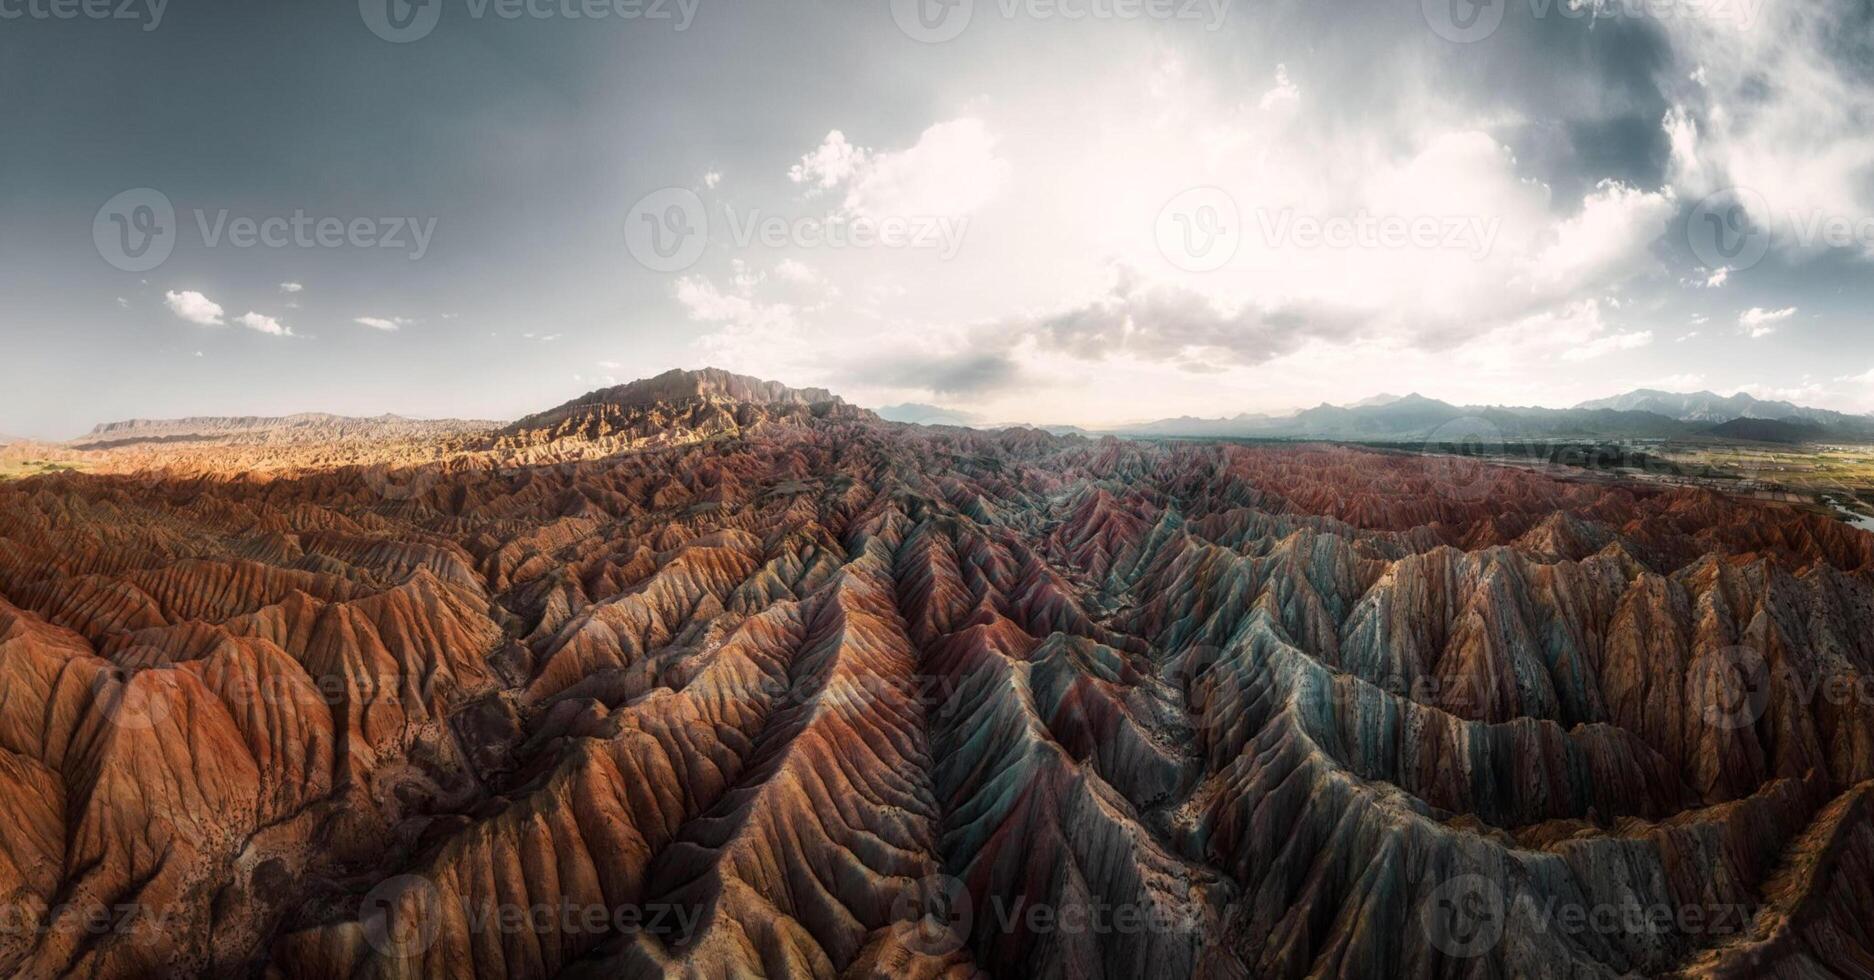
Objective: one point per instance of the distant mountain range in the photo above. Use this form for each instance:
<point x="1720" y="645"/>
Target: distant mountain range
<point x="1792" y="431"/>
<point x="308" y="427"/>
<point x="1188" y="426"/>
<point x="627" y="411"/>
<point x="922" y="414"/>
<point x="1706" y="406"/>
<point x="1642" y="414"/>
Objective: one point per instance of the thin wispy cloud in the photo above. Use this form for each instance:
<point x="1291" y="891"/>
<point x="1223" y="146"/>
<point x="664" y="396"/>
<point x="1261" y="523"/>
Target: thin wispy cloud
<point x="1758" y="322"/>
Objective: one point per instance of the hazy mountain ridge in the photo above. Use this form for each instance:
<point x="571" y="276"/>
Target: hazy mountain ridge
<point x="1642" y="414"/>
<point x="1707" y="406"/>
<point x="304" y="426"/>
<point x="918" y="413"/>
<point x="1769" y="430"/>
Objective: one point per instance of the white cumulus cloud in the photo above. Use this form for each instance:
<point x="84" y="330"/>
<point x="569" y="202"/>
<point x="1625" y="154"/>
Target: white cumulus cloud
<point x="952" y="169"/>
<point x="1284" y="93"/>
<point x="796" y="271"/>
<point x="263" y="324"/>
<point x="194" y="307"/>
<point x="1759" y="322"/>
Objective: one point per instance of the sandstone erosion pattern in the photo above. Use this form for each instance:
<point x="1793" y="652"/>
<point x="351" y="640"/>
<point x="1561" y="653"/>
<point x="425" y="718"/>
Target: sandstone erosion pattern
<point x="708" y="677"/>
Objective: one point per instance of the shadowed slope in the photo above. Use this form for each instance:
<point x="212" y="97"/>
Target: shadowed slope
<point x="704" y="676"/>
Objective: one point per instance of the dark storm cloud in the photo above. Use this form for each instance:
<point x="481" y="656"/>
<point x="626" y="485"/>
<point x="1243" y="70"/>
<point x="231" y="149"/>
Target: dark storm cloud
<point x="1167" y="323"/>
<point x="1577" y="154"/>
<point x="1577" y="98"/>
<point x="1159" y="323"/>
<point x="1591" y="96"/>
<point x="970" y="374"/>
<point x="962" y="373"/>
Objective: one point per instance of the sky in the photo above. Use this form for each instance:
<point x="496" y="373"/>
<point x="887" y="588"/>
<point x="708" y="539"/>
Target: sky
<point x="1047" y="211"/>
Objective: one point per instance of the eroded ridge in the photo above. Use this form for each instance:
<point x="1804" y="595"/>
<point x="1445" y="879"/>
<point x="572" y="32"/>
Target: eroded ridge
<point x="709" y="677"/>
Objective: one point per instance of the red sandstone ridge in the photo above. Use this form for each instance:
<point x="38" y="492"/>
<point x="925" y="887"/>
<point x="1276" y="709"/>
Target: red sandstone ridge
<point x="312" y="427"/>
<point x="704" y="676"/>
<point x="676" y="406"/>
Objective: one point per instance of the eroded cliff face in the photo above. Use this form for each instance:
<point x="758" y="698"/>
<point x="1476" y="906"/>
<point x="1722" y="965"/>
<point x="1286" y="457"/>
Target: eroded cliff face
<point x="786" y="691"/>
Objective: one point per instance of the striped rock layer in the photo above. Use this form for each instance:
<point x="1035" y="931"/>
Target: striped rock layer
<point x="813" y="695"/>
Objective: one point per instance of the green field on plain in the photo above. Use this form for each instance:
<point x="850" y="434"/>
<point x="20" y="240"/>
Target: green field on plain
<point x="20" y="469"/>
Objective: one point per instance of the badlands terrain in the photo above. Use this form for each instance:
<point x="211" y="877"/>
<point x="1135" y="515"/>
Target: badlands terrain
<point x="705" y="676"/>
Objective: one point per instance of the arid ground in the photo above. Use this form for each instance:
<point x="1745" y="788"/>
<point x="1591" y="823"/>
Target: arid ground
<point x="709" y="677"/>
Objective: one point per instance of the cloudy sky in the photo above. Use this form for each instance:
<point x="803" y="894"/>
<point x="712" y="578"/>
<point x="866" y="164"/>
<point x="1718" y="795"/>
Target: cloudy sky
<point x="1085" y="211"/>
